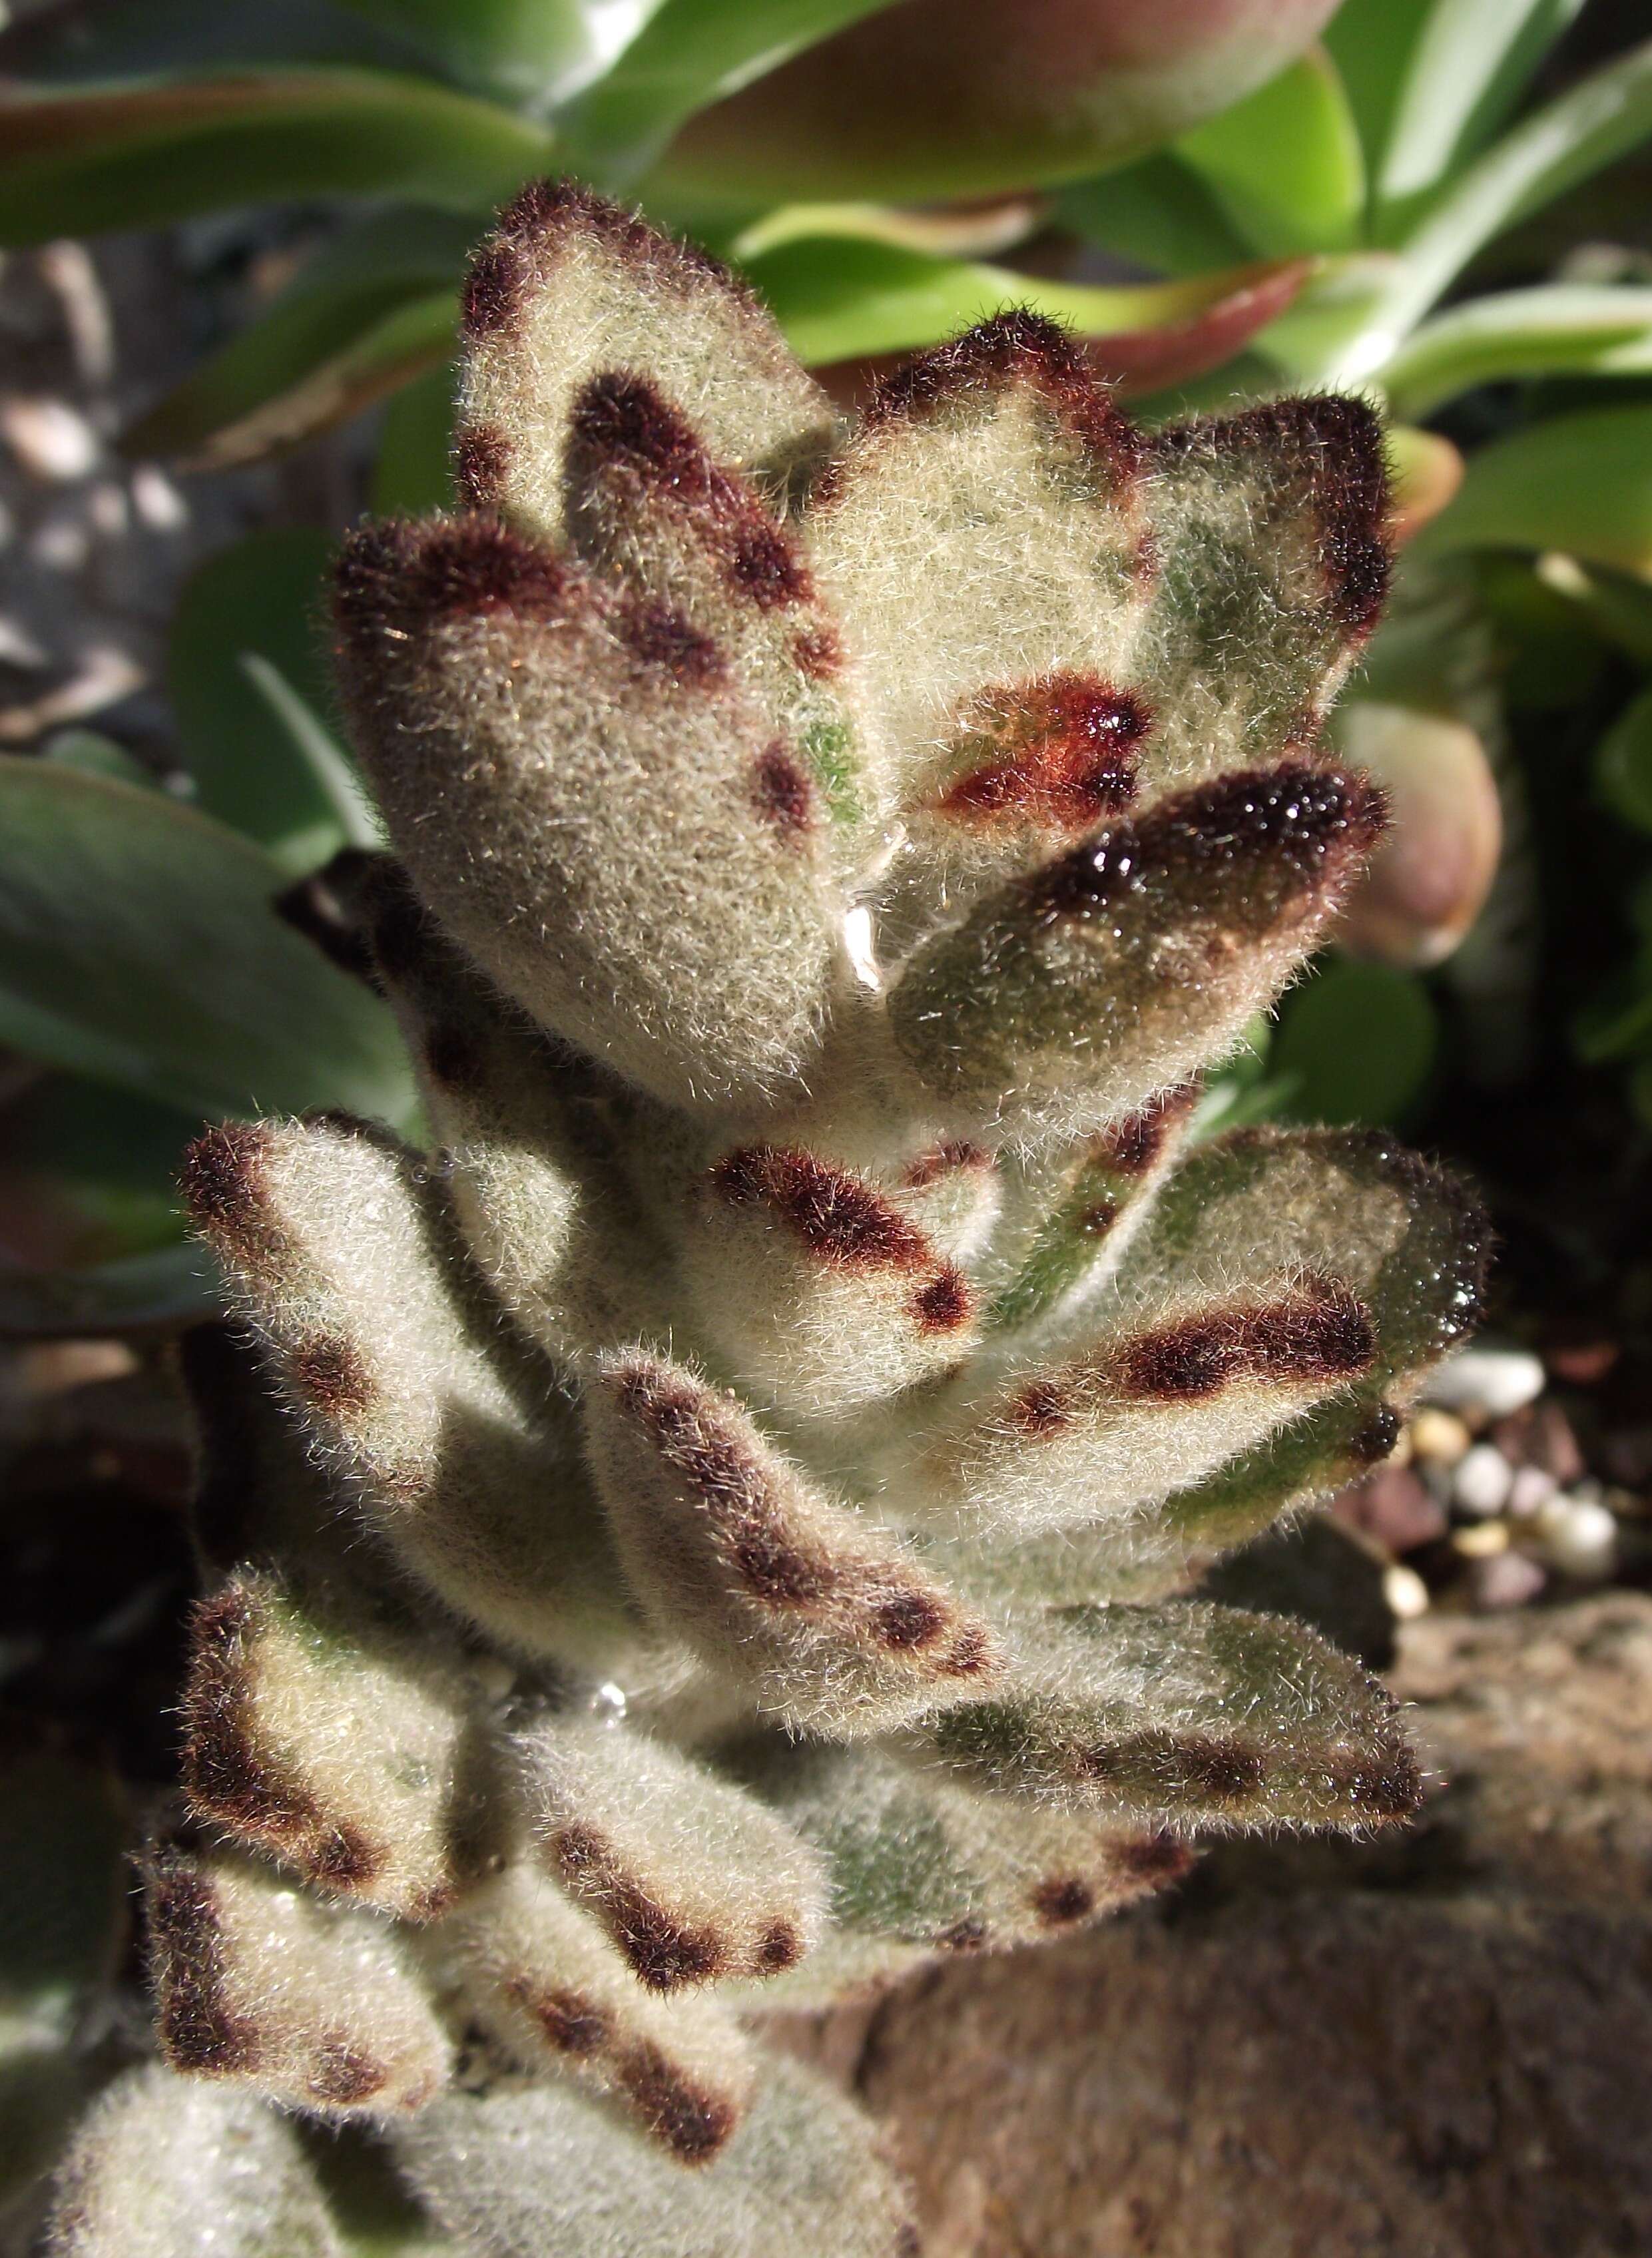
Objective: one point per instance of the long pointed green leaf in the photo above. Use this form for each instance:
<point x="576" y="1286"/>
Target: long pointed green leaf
<point x="530" y="53"/>
<point x="1371" y="43"/>
<point x="315" y="745"/>
<point x="1286" y="164"/>
<point x="1580" y="483"/>
<point x="150" y="150"/>
<point x="1464" y="73"/>
<point x="262" y="597"/>
<point x="687" y="54"/>
<point x="138" y="945"/>
<point x="1567" y="327"/>
<point x="843" y="299"/>
<point x="79" y="42"/>
<point x="1600" y="119"/>
<point x="347" y="327"/>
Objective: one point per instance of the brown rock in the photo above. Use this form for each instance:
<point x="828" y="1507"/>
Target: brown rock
<point x="1330" y="2075"/>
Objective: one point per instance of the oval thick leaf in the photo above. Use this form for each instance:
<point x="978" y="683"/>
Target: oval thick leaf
<point x="153" y="151"/>
<point x="138" y="945"/>
<point x="839" y="299"/>
<point x="686" y="55"/>
<point x="1286" y="164"/>
<point x="368" y="313"/>
<point x="1580" y="483"/>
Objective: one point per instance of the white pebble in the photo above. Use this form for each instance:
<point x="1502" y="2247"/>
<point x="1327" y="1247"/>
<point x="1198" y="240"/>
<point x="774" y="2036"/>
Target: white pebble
<point x="1577" y="1536"/>
<point x="1495" y="1381"/>
<point x="1531" y="1488"/>
<point x="51" y="439"/>
<point x="1482" y="1482"/>
<point x="1405" y="1591"/>
<point x="1438" y="1436"/>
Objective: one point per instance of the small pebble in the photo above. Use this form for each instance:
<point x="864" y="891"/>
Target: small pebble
<point x="1482" y="1482"/>
<point x="1531" y="1488"/>
<point x="1493" y="1382"/>
<point x="1482" y="1540"/>
<point x="1540" y="1436"/>
<point x="1438" y="1436"/>
<point x="1406" y="1592"/>
<point x="1578" y="1536"/>
<point x="1393" y="1509"/>
<point x="51" y="439"/>
<point x="1508" y="1579"/>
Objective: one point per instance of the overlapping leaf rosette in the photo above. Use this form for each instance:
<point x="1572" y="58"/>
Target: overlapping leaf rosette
<point x="717" y="1524"/>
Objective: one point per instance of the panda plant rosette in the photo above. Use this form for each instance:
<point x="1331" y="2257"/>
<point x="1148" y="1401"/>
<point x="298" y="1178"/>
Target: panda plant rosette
<point x="716" y="1525"/>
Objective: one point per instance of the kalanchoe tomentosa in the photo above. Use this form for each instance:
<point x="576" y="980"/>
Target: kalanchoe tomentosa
<point x="728" y="1527"/>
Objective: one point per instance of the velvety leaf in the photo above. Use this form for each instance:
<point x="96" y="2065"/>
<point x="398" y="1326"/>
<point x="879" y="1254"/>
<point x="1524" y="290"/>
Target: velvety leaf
<point x="1356" y="1045"/>
<point x="366" y="313"/>
<point x="1286" y="163"/>
<point x="839" y="299"/>
<point x="138" y="155"/>
<point x="1581" y="483"/>
<point x="137" y="946"/>
<point x="1464" y="71"/>
<point x="687" y="53"/>
<point x="518" y="2175"/>
<point x="262" y="598"/>
<point x="1562" y="328"/>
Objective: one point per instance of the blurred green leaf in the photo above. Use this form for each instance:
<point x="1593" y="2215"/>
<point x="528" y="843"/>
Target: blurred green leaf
<point x="527" y="52"/>
<point x="1158" y="213"/>
<point x="171" y="1286"/>
<point x="688" y="54"/>
<point x="371" y="309"/>
<point x="1286" y="163"/>
<point x="412" y="473"/>
<point x="317" y="750"/>
<point x="137" y="946"/>
<point x="845" y="299"/>
<point x="264" y="596"/>
<point x="80" y="42"/>
<point x="1623" y="763"/>
<point x="62" y="1914"/>
<point x="98" y="756"/>
<point x="137" y="154"/>
<point x="1356" y="1044"/>
<point x="1580" y="483"/>
<point x="89" y="1173"/>
<point x="1619" y="1023"/>
<point x="1464" y="75"/>
<point x="1565" y="327"/>
<point x="1601" y="119"/>
<point x="1371" y="43"/>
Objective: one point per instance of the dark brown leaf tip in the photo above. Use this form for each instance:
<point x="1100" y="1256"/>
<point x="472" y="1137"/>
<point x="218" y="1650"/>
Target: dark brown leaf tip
<point x="665" y="1953"/>
<point x="393" y="577"/>
<point x="1063" y="1900"/>
<point x="782" y="791"/>
<point x="1016" y="348"/>
<point x="481" y="462"/>
<point x="330" y="1374"/>
<point x="692" y="2123"/>
<point x="202" y="2033"/>
<point x="1157" y="1860"/>
<point x="1332" y="446"/>
<point x="1381" y="1785"/>
<point x="945" y="1304"/>
<point x="1132" y="1147"/>
<point x="664" y="642"/>
<point x="572" y="2024"/>
<point x="222" y="1186"/>
<point x="1315" y="1333"/>
<point x="545" y="216"/>
<point x="492" y="294"/>
<point x="1264" y="845"/>
<point x="780" y="1947"/>
<point x="344" y="2075"/>
<point x="1059" y="752"/>
<point x="839" y="1217"/>
<point x="623" y="427"/>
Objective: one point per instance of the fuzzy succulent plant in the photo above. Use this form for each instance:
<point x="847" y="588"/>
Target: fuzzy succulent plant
<point x="722" y="1521"/>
